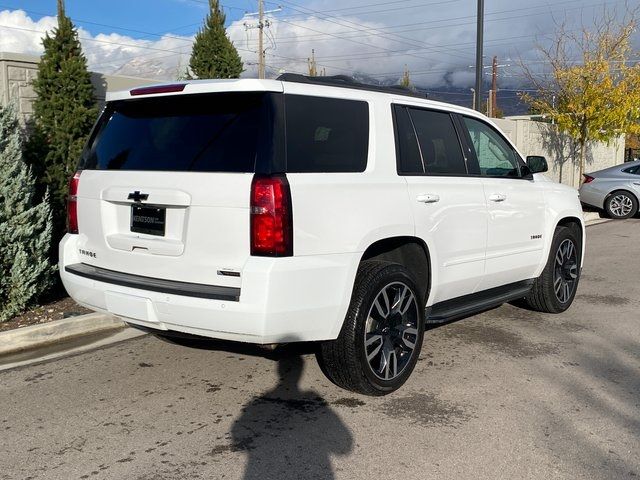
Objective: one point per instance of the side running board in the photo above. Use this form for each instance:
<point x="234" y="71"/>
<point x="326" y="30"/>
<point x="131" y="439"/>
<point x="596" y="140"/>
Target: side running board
<point x="467" y="305"/>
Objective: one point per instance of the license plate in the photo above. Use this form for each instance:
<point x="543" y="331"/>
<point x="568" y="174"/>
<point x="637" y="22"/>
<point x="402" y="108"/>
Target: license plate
<point x="148" y="219"/>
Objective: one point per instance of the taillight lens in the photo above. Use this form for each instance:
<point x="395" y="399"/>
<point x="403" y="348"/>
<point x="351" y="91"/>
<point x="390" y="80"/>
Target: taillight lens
<point x="587" y="179"/>
<point x="72" y="204"/>
<point x="271" y="217"/>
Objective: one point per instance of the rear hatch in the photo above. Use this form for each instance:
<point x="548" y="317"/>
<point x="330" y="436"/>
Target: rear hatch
<point x="165" y="185"/>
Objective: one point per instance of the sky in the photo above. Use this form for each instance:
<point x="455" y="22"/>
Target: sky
<point x="434" y="39"/>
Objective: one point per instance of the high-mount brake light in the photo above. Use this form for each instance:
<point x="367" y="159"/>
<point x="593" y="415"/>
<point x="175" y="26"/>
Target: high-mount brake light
<point x="72" y="204"/>
<point x="170" y="88"/>
<point x="271" y="217"/>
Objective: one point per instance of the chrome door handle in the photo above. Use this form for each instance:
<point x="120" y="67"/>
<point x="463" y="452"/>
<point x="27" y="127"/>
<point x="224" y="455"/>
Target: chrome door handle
<point x="497" y="197"/>
<point x="636" y="183"/>
<point x="428" y="198"/>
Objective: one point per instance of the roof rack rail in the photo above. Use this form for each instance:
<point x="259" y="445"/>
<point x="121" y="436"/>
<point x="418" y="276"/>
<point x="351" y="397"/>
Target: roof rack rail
<point x="348" y="82"/>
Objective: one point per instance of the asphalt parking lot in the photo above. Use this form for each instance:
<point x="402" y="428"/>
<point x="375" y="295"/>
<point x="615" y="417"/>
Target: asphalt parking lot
<point x="507" y="394"/>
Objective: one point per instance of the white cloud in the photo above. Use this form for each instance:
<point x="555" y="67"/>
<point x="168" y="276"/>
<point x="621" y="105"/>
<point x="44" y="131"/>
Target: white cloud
<point x="435" y="39"/>
<point x="22" y="35"/>
<point x="107" y="53"/>
<point x="162" y="58"/>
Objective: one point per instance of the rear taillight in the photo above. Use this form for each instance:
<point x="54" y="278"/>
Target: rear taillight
<point x="271" y="217"/>
<point x="587" y="179"/>
<point x="72" y="204"/>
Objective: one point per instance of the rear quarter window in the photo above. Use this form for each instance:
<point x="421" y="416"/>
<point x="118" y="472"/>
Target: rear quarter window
<point x="326" y="134"/>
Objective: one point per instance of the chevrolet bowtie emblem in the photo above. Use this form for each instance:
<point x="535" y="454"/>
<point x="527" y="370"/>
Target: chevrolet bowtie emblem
<point x="137" y="196"/>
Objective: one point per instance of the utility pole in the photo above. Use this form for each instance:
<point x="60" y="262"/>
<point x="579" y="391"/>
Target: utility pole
<point x="261" y="53"/>
<point x="313" y="69"/>
<point x="479" y="41"/>
<point x="494" y="86"/>
<point x="262" y="24"/>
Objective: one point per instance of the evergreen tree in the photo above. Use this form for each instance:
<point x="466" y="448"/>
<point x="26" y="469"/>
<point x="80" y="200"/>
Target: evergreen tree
<point x="213" y="54"/>
<point x="64" y="112"/>
<point x="25" y="227"/>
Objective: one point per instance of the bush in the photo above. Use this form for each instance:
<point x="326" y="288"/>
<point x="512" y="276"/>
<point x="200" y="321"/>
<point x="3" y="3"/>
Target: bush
<point x="25" y="227"/>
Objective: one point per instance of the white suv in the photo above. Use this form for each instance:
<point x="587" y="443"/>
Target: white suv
<point x="311" y="209"/>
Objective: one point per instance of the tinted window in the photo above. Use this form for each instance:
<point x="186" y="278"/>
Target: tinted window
<point x="326" y="134"/>
<point x="214" y="132"/>
<point x="635" y="170"/>
<point x="436" y="150"/>
<point x="439" y="144"/>
<point x="495" y="155"/>
<point x="409" y="159"/>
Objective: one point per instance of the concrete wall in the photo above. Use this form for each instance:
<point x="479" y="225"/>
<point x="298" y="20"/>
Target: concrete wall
<point x="540" y="138"/>
<point x="17" y="71"/>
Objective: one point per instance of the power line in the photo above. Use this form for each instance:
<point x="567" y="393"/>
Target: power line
<point x="384" y="52"/>
<point x="357" y="27"/>
<point x="421" y="25"/>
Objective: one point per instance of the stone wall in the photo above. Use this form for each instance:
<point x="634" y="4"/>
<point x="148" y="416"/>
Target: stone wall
<point x="16" y="74"/>
<point x="17" y="71"/>
<point x="540" y="138"/>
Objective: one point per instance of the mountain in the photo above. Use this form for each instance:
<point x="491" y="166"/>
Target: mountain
<point x="508" y="100"/>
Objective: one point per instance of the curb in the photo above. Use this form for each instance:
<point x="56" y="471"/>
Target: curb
<point x="43" y="334"/>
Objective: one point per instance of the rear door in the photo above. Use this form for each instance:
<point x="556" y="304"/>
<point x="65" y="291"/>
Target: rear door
<point x="632" y="176"/>
<point x="165" y="184"/>
<point x="516" y="208"/>
<point x="448" y="205"/>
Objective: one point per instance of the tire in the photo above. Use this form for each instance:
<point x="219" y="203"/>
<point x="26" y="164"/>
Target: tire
<point x="621" y="204"/>
<point x="374" y="354"/>
<point x="554" y="290"/>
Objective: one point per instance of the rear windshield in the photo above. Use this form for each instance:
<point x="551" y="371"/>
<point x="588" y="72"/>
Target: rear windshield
<point x="210" y="133"/>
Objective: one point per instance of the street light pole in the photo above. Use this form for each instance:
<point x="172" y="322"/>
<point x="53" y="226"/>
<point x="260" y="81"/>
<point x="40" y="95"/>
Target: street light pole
<point x="479" y="67"/>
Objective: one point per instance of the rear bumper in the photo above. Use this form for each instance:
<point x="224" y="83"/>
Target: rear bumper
<point x="280" y="299"/>
<point x="592" y="196"/>
<point x="187" y="289"/>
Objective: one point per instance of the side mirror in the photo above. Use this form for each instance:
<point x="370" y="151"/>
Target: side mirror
<point x="537" y="164"/>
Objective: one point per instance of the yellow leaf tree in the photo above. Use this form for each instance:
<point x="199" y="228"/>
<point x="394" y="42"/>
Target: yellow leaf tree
<point x="591" y="89"/>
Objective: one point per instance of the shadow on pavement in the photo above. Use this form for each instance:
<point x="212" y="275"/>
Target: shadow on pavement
<point x="285" y="433"/>
<point x="204" y="343"/>
<point x="288" y="432"/>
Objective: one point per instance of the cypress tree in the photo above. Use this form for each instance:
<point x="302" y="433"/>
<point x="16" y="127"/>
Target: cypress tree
<point x="64" y="112"/>
<point x="25" y="227"/>
<point x="213" y="54"/>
